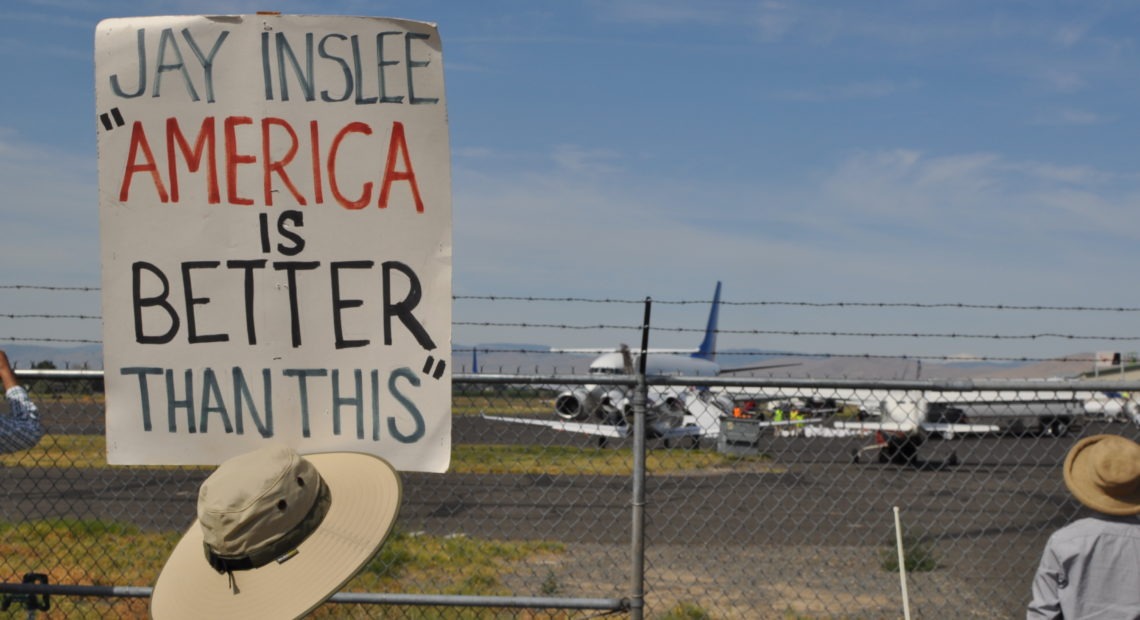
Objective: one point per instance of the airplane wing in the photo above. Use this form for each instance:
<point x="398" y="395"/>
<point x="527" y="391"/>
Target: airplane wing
<point x="585" y="428"/>
<point x="688" y="430"/>
<point x="996" y="397"/>
<point x="948" y="430"/>
<point x="770" y="423"/>
<point x="736" y="369"/>
<point x="900" y="427"/>
<point x="944" y="428"/>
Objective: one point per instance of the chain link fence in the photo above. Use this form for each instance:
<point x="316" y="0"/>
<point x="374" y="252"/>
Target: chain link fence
<point x="750" y="520"/>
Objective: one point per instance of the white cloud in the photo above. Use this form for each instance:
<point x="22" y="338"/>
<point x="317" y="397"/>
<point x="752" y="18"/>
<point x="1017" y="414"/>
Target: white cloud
<point x="1068" y="117"/>
<point x="973" y="194"/>
<point x="774" y="20"/>
<point x="51" y="214"/>
<point x="869" y="89"/>
<point x="576" y="159"/>
<point x="1060" y="79"/>
<point x="586" y="228"/>
<point x="1069" y="35"/>
<point x="878" y="225"/>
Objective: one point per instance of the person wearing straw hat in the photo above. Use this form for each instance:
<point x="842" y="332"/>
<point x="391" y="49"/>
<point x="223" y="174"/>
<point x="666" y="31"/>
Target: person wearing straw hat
<point x="277" y="534"/>
<point x="21" y="428"/>
<point x="1091" y="567"/>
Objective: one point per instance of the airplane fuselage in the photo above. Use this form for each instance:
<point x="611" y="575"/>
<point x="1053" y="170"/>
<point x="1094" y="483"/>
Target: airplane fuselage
<point x="656" y="364"/>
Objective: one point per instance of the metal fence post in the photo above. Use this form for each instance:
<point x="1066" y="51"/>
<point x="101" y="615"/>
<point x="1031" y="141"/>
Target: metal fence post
<point x="31" y="602"/>
<point x="640" y="397"/>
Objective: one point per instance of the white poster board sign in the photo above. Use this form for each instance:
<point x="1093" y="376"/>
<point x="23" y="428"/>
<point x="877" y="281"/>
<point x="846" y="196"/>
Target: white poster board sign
<point x="275" y="213"/>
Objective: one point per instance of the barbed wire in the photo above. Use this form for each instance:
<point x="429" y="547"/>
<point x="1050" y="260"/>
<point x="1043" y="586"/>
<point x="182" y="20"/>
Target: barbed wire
<point x="682" y="302"/>
<point x="810" y="304"/>
<point x="776" y="332"/>
<point x="919" y="305"/>
<point x="734" y="352"/>
<point x="58" y="340"/>
<point x="86" y="289"/>
<point x="687" y="330"/>
<point x="779" y="354"/>
<point x="545" y="325"/>
<point x="921" y="335"/>
<point x="750" y="332"/>
<point x="738" y="353"/>
<point x="51" y="316"/>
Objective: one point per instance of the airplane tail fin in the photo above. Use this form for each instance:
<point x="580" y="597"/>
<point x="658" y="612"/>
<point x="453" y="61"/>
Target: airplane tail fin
<point x="707" y="350"/>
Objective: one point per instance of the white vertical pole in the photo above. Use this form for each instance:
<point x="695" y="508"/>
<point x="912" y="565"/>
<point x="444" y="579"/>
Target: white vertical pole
<point x="902" y="564"/>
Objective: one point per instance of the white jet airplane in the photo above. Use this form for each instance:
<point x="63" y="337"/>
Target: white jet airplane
<point x="901" y="420"/>
<point x="671" y="412"/>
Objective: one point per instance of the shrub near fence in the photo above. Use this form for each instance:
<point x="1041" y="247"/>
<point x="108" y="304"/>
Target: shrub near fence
<point x="531" y="522"/>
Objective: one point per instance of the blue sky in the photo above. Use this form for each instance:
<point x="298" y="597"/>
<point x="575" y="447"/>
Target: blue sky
<point x="973" y="152"/>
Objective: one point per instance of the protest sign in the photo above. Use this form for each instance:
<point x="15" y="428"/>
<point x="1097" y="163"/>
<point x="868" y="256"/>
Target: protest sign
<point x="275" y="214"/>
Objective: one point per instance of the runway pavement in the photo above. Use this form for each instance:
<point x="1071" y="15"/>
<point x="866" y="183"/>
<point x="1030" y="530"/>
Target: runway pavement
<point x="521" y="506"/>
<point x="988" y="517"/>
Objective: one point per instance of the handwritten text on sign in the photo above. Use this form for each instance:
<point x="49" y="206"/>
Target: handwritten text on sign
<point x="276" y="225"/>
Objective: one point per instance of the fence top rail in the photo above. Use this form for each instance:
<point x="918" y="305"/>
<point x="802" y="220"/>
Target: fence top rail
<point x="956" y="385"/>
<point x="58" y="373"/>
<point x="374" y="598"/>
<point x="936" y="385"/>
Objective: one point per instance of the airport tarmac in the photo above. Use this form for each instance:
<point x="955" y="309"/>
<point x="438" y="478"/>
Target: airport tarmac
<point x="505" y="505"/>
<point x="988" y="516"/>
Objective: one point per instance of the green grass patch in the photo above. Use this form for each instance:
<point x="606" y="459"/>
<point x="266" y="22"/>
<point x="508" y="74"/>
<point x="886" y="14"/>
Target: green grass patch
<point x="494" y="403"/>
<point x="919" y="557"/>
<point x="687" y="611"/>
<point x="89" y="451"/>
<point x="81" y="451"/>
<point x="87" y="552"/>
<point x="448" y="565"/>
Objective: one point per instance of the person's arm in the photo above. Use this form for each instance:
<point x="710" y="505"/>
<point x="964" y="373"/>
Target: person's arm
<point x="1046" y="603"/>
<point x="21" y="429"/>
<point x="7" y="376"/>
<point x="22" y="406"/>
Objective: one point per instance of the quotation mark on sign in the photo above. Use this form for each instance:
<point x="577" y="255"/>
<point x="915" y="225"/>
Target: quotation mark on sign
<point x="439" y="367"/>
<point x="107" y="117"/>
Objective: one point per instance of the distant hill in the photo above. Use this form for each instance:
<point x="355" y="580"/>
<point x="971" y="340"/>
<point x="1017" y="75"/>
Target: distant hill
<point x="529" y="359"/>
<point x="26" y="356"/>
<point x="842" y="367"/>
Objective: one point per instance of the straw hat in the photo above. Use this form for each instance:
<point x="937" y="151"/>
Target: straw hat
<point x="277" y="534"/>
<point x="1103" y="472"/>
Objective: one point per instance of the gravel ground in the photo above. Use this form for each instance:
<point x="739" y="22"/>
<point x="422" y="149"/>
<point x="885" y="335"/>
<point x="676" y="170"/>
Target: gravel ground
<point x="808" y="582"/>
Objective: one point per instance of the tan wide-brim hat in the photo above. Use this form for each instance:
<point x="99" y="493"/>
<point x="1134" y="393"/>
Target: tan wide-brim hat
<point x="1103" y="473"/>
<point x="365" y="500"/>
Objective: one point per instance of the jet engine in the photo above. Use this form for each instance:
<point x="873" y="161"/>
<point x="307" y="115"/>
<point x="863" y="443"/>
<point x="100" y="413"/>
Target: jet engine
<point x="574" y="404"/>
<point x="663" y="411"/>
<point x="668" y="413"/>
<point x="581" y="404"/>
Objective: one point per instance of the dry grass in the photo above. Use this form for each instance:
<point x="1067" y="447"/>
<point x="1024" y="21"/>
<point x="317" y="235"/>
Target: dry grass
<point x="110" y="554"/>
<point x="89" y="451"/>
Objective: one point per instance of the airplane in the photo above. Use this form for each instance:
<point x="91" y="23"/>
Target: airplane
<point x="587" y="401"/>
<point x="903" y="419"/>
<point x="907" y="418"/>
<point x="672" y="412"/>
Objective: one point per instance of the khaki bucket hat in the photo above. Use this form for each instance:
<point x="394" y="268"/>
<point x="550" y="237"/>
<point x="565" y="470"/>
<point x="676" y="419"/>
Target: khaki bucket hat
<point x="1103" y="473"/>
<point x="277" y="534"/>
